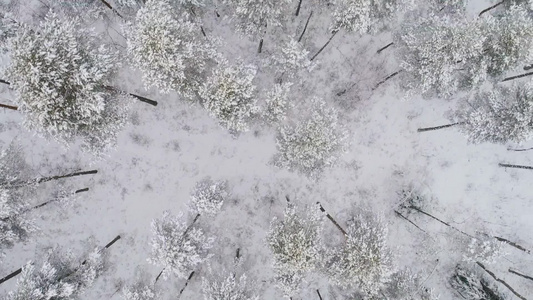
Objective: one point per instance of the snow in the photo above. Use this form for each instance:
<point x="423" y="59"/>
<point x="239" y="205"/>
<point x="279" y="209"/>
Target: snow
<point x="164" y="151"/>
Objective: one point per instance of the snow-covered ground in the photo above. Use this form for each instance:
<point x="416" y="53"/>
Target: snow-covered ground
<point x="165" y="150"/>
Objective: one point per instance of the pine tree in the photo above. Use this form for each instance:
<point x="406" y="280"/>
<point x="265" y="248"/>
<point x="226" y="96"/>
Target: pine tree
<point x="177" y="247"/>
<point x="60" y="72"/>
<point x="364" y="261"/>
<point x="168" y="50"/>
<point x="498" y="116"/>
<point x="405" y="285"/>
<point x="291" y="58"/>
<point x="312" y="144"/>
<point x="229" y="287"/>
<point x="365" y="16"/>
<point x="276" y="103"/>
<point x="208" y="196"/>
<point x="436" y="54"/>
<point x="469" y="284"/>
<point x="229" y="95"/>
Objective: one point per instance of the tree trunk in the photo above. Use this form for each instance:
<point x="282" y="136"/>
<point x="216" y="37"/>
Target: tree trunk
<point x="260" y="48"/>
<point x="5" y="82"/>
<point x="517" y="76"/>
<point x="111" y="8"/>
<point x="439" y="220"/>
<point x="46" y="179"/>
<point x="298" y="8"/>
<point x="491" y="7"/>
<point x="323" y="47"/>
<point x="515" y="166"/>
<point x="9" y="106"/>
<point x="405" y="218"/>
<point x="513" y="244"/>
<point x="387" y="78"/>
<point x="186" y="283"/>
<point x="305" y="27"/>
<point x="159" y="275"/>
<point x="319" y="296"/>
<point x="332" y="220"/>
<point x="203" y="31"/>
<point x="238" y="253"/>
<point x="520" y="274"/>
<point x="383" y="48"/>
<point x="437" y="127"/>
<point x="519" y="150"/>
<point x="13" y="274"/>
<point x="140" y="98"/>
<point x="501" y="281"/>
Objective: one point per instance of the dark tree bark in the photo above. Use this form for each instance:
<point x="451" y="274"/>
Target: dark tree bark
<point x="260" y="48"/>
<point x="319" y="296"/>
<point x="517" y="76"/>
<point x="140" y="98"/>
<point x="437" y="127"/>
<point x="186" y="283"/>
<point x="515" y="166"/>
<point x="298" y="8"/>
<point x="305" y="27"/>
<point x="491" y="8"/>
<point x="5" y="82"/>
<point x="439" y="220"/>
<point x="513" y="244"/>
<point x="51" y="201"/>
<point x="111" y="8"/>
<point x="520" y="274"/>
<point x="159" y="275"/>
<point x="332" y="220"/>
<point x="323" y="47"/>
<point x="501" y="281"/>
<point x="385" y="47"/>
<point x="203" y="31"/>
<point x="387" y="78"/>
<point x="13" y="274"/>
<point x="9" y="106"/>
<point x="46" y="179"/>
<point x="519" y="150"/>
<point x="405" y="218"/>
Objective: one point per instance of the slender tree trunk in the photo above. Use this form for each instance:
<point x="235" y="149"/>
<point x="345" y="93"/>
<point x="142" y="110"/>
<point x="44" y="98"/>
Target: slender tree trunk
<point x="520" y="274"/>
<point x="9" y="106"/>
<point x="305" y="27"/>
<point x="501" y="281"/>
<point x="50" y="201"/>
<point x="186" y="283"/>
<point x="332" y="220"/>
<point x="387" y="78"/>
<point x="319" y="296"/>
<point x="203" y="31"/>
<point x="13" y="274"/>
<point x="323" y="47"/>
<point x="159" y="275"/>
<point x="405" y="218"/>
<point x="140" y="98"/>
<point x="217" y="14"/>
<point x="46" y="179"/>
<point x="260" y="48"/>
<point x="385" y="47"/>
<point x="491" y="8"/>
<point x="238" y="253"/>
<point x="517" y="76"/>
<point x="519" y="150"/>
<point x="111" y="8"/>
<point x="5" y="82"/>
<point x="439" y="220"/>
<point x="513" y="244"/>
<point x="437" y="127"/>
<point x="298" y="8"/>
<point x="515" y="166"/>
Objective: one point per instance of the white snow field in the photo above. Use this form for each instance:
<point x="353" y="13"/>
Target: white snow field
<point x="163" y="151"/>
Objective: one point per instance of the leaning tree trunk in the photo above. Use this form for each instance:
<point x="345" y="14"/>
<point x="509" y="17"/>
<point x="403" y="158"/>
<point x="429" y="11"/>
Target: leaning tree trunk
<point x="385" y="47"/>
<point x="305" y="27"/>
<point x="46" y="179"/>
<point x="491" y="7"/>
<point x="515" y="166"/>
<point x="437" y="127"/>
<point x="111" y="8"/>
<point x="387" y="78"/>
<point x="13" y="274"/>
<point x="332" y="220"/>
<point x="5" y="82"/>
<point x="323" y="47"/>
<point x="520" y="274"/>
<point x="298" y="8"/>
<point x="186" y="283"/>
<point x="517" y="76"/>
<point x="9" y="106"/>
<point x="501" y="281"/>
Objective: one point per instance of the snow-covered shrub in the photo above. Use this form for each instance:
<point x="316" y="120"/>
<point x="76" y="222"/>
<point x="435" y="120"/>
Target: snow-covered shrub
<point x="484" y="248"/>
<point x="168" y="49"/>
<point x="252" y="17"/>
<point x="405" y="285"/>
<point x="228" y="287"/>
<point x="411" y="196"/>
<point x="276" y="104"/>
<point x="470" y="284"/>
<point x="498" y="116"/>
<point x="178" y="247"/>
<point x="229" y="96"/>
<point x="312" y="144"/>
<point x="364" y="16"/>
<point x="208" y="196"/>
<point x="60" y="72"/>
<point x="289" y="282"/>
<point x="140" y="291"/>
<point x="291" y="58"/>
<point x="364" y="261"/>
<point x="435" y="53"/>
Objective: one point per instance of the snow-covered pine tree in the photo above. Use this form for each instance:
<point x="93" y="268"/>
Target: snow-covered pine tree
<point x="436" y="53"/>
<point x="405" y="285"/>
<point x="289" y="282"/>
<point x="229" y="95"/>
<point x="498" y="116"/>
<point x="290" y="58"/>
<point x="208" y="196"/>
<point x="169" y="50"/>
<point x="509" y="41"/>
<point x="312" y="144"/>
<point x="140" y="291"/>
<point x="253" y="18"/>
<point x="177" y="246"/>
<point x="61" y="276"/>
<point x="470" y="284"/>
<point x="276" y="103"/>
<point x="364" y="261"/>
<point x="365" y="16"/>
<point x="60" y="72"/>
<point x="228" y="287"/>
